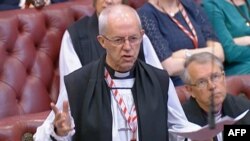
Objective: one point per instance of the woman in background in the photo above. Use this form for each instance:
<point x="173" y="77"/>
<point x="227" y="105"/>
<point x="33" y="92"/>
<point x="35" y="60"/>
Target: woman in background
<point x="231" y="21"/>
<point x="178" y="29"/>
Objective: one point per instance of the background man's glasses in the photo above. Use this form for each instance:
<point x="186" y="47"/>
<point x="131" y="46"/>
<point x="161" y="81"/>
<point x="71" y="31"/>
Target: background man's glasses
<point x="120" y="41"/>
<point x="203" y="83"/>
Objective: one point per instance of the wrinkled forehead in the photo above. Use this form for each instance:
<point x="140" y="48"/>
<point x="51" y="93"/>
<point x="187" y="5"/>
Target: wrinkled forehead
<point x="127" y="17"/>
<point x="122" y="17"/>
<point x="124" y="23"/>
<point x="119" y="17"/>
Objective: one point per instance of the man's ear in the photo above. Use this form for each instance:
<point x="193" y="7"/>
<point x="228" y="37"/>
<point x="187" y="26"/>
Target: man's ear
<point x="101" y="40"/>
<point x="142" y="32"/>
<point x="189" y="90"/>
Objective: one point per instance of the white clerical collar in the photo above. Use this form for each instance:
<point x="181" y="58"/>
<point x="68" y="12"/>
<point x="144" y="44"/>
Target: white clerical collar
<point x="121" y="75"/>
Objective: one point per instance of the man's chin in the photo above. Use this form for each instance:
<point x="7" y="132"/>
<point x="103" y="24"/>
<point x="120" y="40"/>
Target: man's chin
<point x="218" y="101"/>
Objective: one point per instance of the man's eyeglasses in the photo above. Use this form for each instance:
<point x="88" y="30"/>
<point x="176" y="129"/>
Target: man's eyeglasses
<point x="120" y="41"/>
<point x="203" y="83"/>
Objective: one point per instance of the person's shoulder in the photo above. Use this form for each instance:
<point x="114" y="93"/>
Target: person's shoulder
<point x="146" y="8"/>
<point x="237" y="104"/>
<point x="157" y="71"/>
<point x="194" y="9"/>
<point x="149" y="66"/>
<point x="148" y="11"/>
<point x="190" y="102"/>
<point x="191" y="5"/>
<point x="190" y="107"/>
<point x="239" y="99"/>
<point x="75" y="29"/>
<point x="188" y="2"/>
<point x="80" y="21"/>
<point x="240" y="102"/>
<point x="84" y="71"/>
<point x="213" y="2"/>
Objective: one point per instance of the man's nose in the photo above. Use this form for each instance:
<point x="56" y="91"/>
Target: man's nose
<point x="210" y="84"/>
<point x="126" y="45"/>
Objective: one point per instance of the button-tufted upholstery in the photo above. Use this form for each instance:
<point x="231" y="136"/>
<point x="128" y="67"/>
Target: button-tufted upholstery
<point x="239" y="85"/>
<point x="29" y="49"/>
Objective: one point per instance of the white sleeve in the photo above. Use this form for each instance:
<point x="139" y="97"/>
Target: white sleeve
<point x="21" y="3"/>
<point x="149" y="52"/>
<point x="176" y="116"/>
<point x="68" y="62"/>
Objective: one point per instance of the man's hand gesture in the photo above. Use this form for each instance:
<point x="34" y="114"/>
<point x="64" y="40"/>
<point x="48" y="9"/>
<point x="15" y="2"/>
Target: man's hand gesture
<point x="62" y="121"/>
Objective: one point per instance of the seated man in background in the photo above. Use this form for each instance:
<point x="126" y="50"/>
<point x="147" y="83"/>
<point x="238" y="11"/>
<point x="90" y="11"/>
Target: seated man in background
<point x="145" y="93"/>
<point x="204" y="79"/>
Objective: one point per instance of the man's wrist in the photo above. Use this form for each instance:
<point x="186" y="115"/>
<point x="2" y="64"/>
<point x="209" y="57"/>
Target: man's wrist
<point x="55" y="137"/>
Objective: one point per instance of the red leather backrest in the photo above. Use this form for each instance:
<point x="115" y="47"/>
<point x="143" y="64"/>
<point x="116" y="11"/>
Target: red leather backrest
<point x="239" y="85"/>
<point x="29" y="49"/>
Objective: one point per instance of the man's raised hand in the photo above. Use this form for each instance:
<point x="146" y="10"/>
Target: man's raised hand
<point x="62" y="121"/>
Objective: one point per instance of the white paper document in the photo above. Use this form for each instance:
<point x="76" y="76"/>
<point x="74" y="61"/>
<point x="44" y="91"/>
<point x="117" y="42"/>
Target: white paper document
<point x="205" y="133"/>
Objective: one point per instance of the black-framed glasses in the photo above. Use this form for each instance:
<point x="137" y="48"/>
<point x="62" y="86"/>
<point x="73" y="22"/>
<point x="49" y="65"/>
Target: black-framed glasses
<point x="120" y="41"/>
<point x="203" y="82"/>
